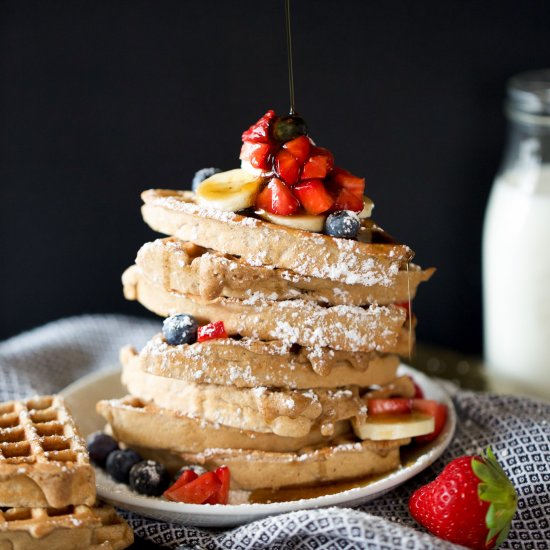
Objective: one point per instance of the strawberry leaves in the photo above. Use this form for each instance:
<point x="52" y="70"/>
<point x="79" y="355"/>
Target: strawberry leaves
<point x="495" y="488"/>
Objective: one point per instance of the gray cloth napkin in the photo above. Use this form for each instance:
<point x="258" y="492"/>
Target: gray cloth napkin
<point x="46" y="359"/>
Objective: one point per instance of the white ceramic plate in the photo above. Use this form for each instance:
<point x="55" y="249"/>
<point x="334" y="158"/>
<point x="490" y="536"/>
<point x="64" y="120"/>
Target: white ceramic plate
<point x="83" y="395"/>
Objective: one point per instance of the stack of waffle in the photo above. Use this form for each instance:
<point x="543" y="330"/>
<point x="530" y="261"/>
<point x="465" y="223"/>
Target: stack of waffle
<point x="47" y="485"/>
<point x="315" y="325"/>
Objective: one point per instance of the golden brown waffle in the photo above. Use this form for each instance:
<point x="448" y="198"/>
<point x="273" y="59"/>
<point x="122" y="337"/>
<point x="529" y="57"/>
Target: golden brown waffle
<point x="288" y="413"/>
<point x="71" y="528"/>
<point x="377" y="328"/>
<point x="190" y="269"/>
<point x="247" y="363"/>
<point x="145" y="424"/>
<point x="43" y="458"/>
<point x="343" y="459"/>
<point x="261" y="243"/>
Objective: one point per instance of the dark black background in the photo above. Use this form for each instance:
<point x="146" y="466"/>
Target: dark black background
<point x="102" y="99"/>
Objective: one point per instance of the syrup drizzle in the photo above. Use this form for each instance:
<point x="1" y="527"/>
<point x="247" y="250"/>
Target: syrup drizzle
<point x="289" y="56"/>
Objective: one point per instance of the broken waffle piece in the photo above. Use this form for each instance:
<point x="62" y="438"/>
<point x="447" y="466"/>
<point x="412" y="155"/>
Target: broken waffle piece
<point x="69" y="528"/>
<point x="43" y="458"/>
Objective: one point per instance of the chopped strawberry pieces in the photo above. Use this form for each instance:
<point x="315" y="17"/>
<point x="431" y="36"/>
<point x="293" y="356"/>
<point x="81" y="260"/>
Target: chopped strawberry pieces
<point x="197" y="491"/>
<point x="299" y="148"/>
<point x="392" y="405"/>
<point x="287" y="167"/>
<point x="260" y="132"/>
<point x="257" y="154"/>
<point x="314" y="197"/>
<point x="186" y="477"/>
<point x="346" y="200"/>
<point x="346" y="180"/>
<point x="435" y="409"/>
<point x="211" y="331"/>
<point x="277" y="198"/>
<point x="222" y="494"/>
<point x="319" y="164"/>
<point x="208" y="488"/>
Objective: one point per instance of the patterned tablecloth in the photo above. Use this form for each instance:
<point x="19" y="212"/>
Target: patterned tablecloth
<point x="47" y="359"/>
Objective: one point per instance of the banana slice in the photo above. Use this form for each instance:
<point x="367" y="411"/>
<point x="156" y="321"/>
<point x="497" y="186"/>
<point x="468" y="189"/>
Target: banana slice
<point x="396" y="426"/>
<point x="229" y="191"/>
<point x="306" y="222"/>
<point x="368" y="205"/>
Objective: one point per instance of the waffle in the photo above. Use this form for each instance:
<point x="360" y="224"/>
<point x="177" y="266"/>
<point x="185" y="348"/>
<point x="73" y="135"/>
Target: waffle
<point x="248" y="363"/>
<point x="343" y="459"/>
<point x="351" y="328"/>
<point x="190" y="269"/>
<point x="144" y="424"/>
<point x="43" y="459"/>
<point x="309" y="254"/>
<point x="71" y="528"/>
<point x="289" y="413"/>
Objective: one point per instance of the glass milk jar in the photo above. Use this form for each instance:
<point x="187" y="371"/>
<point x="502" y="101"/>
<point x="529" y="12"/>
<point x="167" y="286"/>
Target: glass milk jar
<point x="516" y="245"/>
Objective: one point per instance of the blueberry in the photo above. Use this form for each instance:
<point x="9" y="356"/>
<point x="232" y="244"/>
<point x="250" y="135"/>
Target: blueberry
<point x="343" y="223"/>
<point x="120" y="462"/>
<point x="289" y="127"/>
<point x="199" y="470"/>
<point x="100" y="445"/>
<point x="202" y="174"/>
<point x="149" y="478"/>
<point x="180" y="329"/>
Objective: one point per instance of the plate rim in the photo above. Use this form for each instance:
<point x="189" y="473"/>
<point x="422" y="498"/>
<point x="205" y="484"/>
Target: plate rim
<point x="354" y="495"/>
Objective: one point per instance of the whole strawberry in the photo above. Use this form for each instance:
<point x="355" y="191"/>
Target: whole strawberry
<point x="471" y="502"/>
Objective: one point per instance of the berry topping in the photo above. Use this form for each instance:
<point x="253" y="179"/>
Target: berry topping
<point x="180" y="329"/>
<point x="435" y="409"/>
<point x="202" y="174"/>
<point x="207" y="488"/>
<point x="289" y="127"/>
<point x="392" y="405"/>
<point x="278" y="199"/>
<point x="346" y="200"/>
<point x="211" y="331"/>
<point x="196" y="468"/>
<point x="120" y="462"/>
<point x="299" y="148"/>
<point x="259" y="132"/>
<point x="319" y="164"/>
<point x="470" y="503"/>
<point x="100" y="445"/>
<point x="149" y="478"/>
<point x="257" y="154"/>
<point x="344" y="224"/>
<point x="343" y="179"/>
<point x="287" y="167"/>
<point x="313" y="195"/>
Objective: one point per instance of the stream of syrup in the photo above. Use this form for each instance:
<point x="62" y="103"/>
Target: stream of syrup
<point x="289" y="56"/>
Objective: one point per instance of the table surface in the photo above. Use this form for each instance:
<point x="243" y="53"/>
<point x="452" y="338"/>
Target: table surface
<point x="467" y="372"/>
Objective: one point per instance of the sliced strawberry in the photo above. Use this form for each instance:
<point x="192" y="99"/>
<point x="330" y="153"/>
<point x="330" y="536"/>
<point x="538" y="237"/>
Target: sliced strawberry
<point x="197" y="491"/>
<point x="222" y="495"/>
<point x="258" y="154"/>
<point x="435" y="409"/>
<point x="299" y="148"/>
<point x="277" y="198"/>
<point x="287" y="167"/>
<point x="313" y="196"/>
<point x="260" y="131"/>
<point x="186" y="477"/>
<point x="211" y="331"/>
<point x="319" y="164"/>
<point x="346" y="180"/>
<point x="346" y="200"/>
<point x="392" y="405"/>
